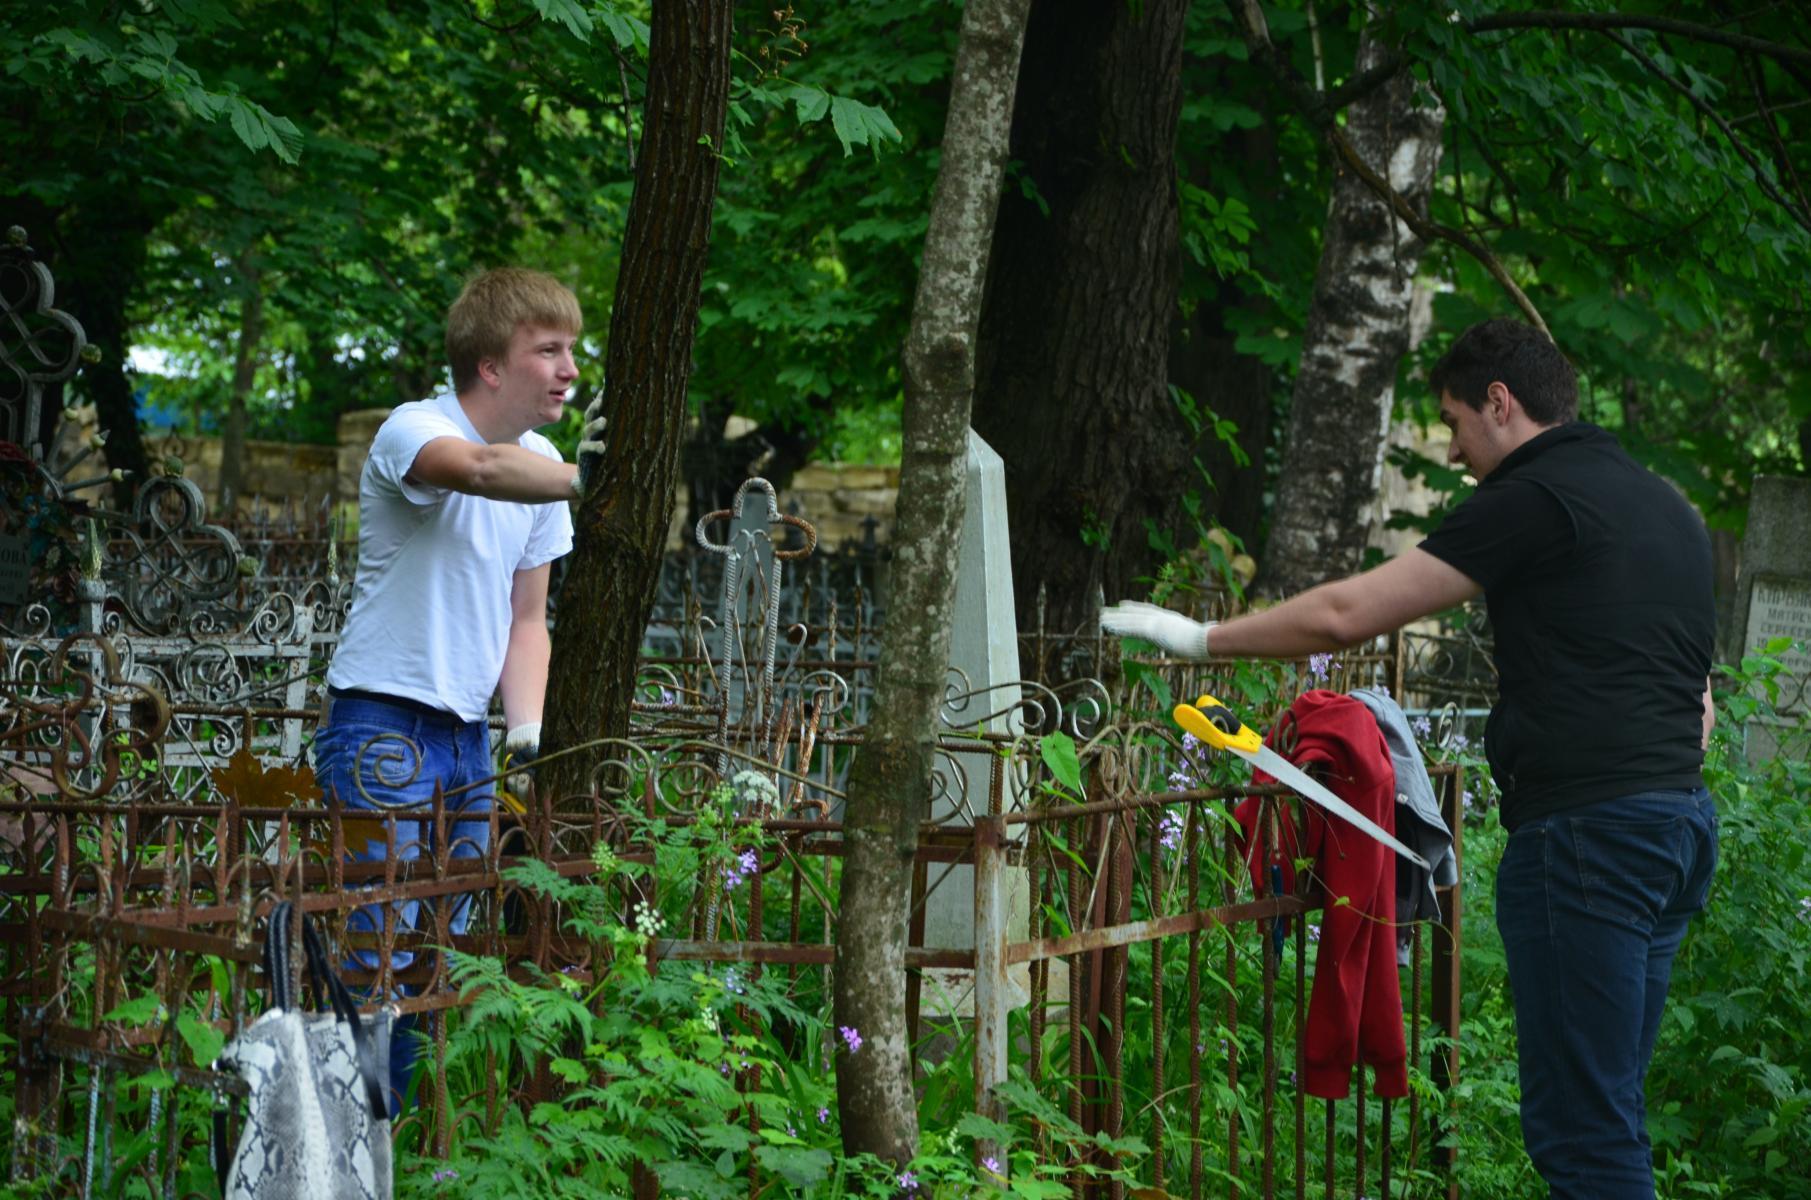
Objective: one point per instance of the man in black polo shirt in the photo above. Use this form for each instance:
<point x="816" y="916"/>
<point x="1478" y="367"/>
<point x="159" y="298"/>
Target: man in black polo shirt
<point x="1597" y="577"/>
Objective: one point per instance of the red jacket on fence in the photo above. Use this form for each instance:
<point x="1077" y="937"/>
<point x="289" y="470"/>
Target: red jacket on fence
<point x="1355" y="1012"/>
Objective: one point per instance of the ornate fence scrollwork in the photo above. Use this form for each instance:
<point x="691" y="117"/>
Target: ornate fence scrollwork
<point x="39" y="343"/>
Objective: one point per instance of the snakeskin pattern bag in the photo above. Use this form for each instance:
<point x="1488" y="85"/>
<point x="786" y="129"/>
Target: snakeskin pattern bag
<point x="317" y="1125"/>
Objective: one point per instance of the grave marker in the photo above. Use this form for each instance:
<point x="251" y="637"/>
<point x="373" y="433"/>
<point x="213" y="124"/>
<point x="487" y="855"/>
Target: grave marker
<point x="984" y="647"/>
<point x="1773" y="593"/>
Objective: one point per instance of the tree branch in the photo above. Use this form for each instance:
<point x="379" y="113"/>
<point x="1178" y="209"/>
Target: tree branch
<point x="1431" y="229"/>
<point x="1788" y="169"/>
<point x="1249" y="15"/>
<point x="1609" y="22"/>
<point x="1697" y="102"/>
<point x="1363" y="83"/>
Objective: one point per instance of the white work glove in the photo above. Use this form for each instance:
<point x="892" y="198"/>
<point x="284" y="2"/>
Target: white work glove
<point x="591" y="450"/>
<point x="1170" y="631"/>
<point x="521" y="746"/>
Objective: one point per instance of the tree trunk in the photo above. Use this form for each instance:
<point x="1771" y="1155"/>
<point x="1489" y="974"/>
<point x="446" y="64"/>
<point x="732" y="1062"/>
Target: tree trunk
<point x="889" y="782"/>
<point x="245" y="372"/>
<point x="1073" y="384"/>
<point x="1357" y="333"/>
<point x="622" y="525"/>
<point x="100" y="262"/>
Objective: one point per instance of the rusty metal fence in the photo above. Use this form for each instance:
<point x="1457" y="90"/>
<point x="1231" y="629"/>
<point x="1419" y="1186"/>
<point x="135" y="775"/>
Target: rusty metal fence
<point x="1108" y="934"/>
<point x="1088" y="947"/>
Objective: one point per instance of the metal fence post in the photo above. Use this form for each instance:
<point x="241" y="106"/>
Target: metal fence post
<point x="992" y="1002"/>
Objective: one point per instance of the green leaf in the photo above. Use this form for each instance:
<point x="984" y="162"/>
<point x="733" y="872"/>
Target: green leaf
<point x="860" y="124"/>
<point x="725" y="1137"/>
<point x="137" y="1011"/>
<point x="628" y="33"/>
<point x="1138" y="673"/>
<point x="812" y="103"/>
<point x="976" y="1126"/>
<point x="1058" y="752"/>
<point x="204" y="1041"/>
<point x="246" y="124"/>
<point x="1766" y="1135"/>
<point x="153" y="1081"/>
<point x="799" y="1166"/>
<point x="569" y="13"/>
<point x="1033" y="1188"/>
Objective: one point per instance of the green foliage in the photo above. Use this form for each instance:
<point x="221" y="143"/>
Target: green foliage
<point x="698" y="1074"/>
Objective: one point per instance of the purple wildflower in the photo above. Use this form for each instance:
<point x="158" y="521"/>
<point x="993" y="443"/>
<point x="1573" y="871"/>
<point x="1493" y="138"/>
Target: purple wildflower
<point x="823" y="1115"/>
<point x="1423" y="727"/>
<point x="851" y="1037"/>
<point x="990" y="1163"/>
<point x="908" y="1182"/>
<point x="1169" y="831"/>
<point x="1319" y="665"/>
<point x="446" y="1175"/>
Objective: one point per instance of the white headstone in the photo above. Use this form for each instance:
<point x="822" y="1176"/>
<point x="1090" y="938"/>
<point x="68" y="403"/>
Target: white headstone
<point x="984" y="647"/>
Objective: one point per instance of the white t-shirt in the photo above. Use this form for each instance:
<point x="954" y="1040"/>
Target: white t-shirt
<point x="430" y="607"/>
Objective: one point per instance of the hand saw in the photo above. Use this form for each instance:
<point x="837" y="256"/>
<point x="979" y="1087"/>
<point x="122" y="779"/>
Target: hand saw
<point x="1217" y="725"/>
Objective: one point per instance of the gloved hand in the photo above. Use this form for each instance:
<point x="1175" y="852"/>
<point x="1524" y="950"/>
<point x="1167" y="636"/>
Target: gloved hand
<point x="521" y="746"/>
<point x="1171" y="631"/>
<point x="591" y="449"/>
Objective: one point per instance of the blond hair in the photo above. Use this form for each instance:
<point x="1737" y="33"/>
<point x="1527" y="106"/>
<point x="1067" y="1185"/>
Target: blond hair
<point x="482" y="320"/>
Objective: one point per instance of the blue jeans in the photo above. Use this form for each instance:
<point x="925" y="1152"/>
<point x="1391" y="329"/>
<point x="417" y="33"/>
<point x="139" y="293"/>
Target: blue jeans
<point x="371" y="756"/>
<point x="1592" y="904"/>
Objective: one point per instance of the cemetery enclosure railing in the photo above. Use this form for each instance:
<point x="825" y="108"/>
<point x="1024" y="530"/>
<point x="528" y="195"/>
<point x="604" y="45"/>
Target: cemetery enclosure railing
<point x="1089" y="920"/>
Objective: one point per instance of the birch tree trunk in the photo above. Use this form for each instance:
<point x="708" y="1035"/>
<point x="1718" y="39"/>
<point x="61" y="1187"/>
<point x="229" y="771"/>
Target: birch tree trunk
<point x="889" y="783"/>
<point x="622" y="524"/>
<point x="1358" y="331"/>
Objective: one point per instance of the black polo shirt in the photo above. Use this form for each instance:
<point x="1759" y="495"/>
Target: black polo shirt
<point x="1597" y="577"/>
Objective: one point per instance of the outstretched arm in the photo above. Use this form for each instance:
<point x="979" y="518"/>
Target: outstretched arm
<point x="497" y="472"/>
<point x="1348" y="611"/>
<point x="1332" y="616"/>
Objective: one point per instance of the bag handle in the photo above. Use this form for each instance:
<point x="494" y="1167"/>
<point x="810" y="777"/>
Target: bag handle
<point x="321" y="977"/>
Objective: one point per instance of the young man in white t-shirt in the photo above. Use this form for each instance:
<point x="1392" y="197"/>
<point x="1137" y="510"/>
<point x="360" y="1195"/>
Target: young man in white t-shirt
<point x="462" y="510"/>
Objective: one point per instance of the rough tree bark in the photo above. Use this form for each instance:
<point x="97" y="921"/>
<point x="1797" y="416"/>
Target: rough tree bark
<point x="245" y="372"/>
<point x="1072" y="386"/>
<point x="622" y="524"/>
<point x="889" y="783"/>
<point x="1358" y="331"/>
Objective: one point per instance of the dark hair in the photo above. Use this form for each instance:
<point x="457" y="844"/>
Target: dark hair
<point x="1521" y="358"/>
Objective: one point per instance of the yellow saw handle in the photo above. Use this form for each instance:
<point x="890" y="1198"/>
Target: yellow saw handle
<point x="1217" y="725"/>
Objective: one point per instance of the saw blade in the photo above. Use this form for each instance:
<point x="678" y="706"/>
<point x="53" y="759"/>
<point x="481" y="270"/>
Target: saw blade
<point x="1288" y="773"/>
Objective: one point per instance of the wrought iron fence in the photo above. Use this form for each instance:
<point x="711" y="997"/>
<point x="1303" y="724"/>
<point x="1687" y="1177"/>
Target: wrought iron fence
<point x="156" y="801"/>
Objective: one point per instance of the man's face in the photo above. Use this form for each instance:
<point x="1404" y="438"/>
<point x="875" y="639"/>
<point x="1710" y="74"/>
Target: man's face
<point x="1477" y="441"/>
<point x="536" y="374"/>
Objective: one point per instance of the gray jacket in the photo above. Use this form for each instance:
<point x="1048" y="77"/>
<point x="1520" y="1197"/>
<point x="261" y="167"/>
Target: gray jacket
<point x="1419" y="824"/>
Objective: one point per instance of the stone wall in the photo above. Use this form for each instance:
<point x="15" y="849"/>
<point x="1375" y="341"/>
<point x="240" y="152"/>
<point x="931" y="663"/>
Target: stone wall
<point x="845" y="501"/>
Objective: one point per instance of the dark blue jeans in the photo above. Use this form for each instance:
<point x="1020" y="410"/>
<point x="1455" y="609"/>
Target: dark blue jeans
<point x="372" y="756"/>
<point x="1592" y="904"/>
